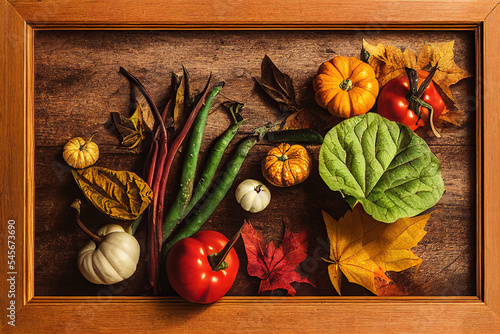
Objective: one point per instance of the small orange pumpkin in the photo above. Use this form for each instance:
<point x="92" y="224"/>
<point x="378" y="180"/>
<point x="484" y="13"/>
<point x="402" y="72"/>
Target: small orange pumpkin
<point x="286" y="165"/>
<point x="346" y="87"/>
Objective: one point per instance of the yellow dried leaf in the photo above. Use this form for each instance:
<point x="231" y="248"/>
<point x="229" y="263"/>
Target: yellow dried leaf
<point x="298" y="120"/>
<point x="363" y="249"/>
<point x="179" y="103"/>
<point x="119" y="194"/>
<point x="448" y="72"/>
<point x="389" y="244"/>
<point x="147" y="119"/>
<point x="389" y="62"/>
<point x="347" y="253"/>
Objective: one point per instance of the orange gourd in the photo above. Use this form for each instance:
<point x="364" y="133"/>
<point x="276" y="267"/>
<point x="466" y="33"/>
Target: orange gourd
<point x="286" y="165"/>
<point x="346" y="87"/>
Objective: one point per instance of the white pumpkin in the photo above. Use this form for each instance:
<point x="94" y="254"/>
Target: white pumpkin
<point x="111" y="261"/>
<point x="253" y="195"/>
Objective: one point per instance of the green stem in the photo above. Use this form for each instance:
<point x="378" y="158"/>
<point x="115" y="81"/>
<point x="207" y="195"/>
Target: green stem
<point x="283" y="158"/>
<point x="136" y="223"/>
<point x="216" y="260"/>
<point x="346" y="85"/>
<point x="415" y="93"/>
<point x="431" y="116"/>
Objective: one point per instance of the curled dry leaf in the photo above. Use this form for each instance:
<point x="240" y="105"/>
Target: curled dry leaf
<point x="119" y="194"/>
<point x="133" y="129"/>
<point x="279" y="87"/>
<point x="363" y="249"/>
<point x="179" y="103"/>
<point x="275" y="266"/>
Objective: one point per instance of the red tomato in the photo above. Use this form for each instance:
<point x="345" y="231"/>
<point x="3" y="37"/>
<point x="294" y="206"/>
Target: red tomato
<point x="190" y="273"/>
<point x="393" y="104"/>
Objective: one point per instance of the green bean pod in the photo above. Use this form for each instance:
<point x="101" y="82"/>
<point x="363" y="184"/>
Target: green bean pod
<point x="175" y="212"/>
<point x="298" y="136"/>
<point x="211" y="165"/>
<point x="198" y="216"/>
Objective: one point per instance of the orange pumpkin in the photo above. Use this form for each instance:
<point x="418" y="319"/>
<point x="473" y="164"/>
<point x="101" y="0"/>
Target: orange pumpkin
<point x="286" y="165"/>
<point x="346" y="87"/>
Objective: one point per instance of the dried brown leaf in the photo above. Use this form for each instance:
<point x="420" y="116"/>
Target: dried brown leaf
<point x="179" y="103"/>
<point x="298" y="120"/>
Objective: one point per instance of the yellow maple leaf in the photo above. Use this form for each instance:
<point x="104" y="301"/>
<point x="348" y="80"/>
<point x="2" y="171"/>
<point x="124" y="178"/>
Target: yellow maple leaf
<point x="389" y="62"/>
<point x="448" y="72"/>
<point x="362" y="248"/>
<point x="389" y="244"/>
<point x="347" y="254"/>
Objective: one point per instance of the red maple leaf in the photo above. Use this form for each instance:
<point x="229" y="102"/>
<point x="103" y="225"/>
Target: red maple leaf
<point x="275" y="266"/>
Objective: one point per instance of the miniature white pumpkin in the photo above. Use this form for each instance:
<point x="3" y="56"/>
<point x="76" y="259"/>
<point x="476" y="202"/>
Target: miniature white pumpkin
<point x="111" y="260"/>
<point x="253" y="195"/>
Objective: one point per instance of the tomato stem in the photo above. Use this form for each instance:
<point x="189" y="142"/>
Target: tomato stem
<point x="216" y="260"/>
<point x="431" y="117"/>
<point x="76" y="205"/>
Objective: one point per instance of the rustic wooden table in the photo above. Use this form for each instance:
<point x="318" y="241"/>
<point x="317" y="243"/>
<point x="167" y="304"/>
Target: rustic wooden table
<point x="77" y="85"/>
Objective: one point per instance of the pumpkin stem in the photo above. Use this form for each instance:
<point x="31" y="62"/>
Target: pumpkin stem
<point x="283" y="158"/>
<point x="346" y="85"/>
<point x="87" y="142"/>
<point x="90" y="139"/>
<point x="258" y="189"/>
<point x="216" y="260"/>
<point x="76" y="205"/>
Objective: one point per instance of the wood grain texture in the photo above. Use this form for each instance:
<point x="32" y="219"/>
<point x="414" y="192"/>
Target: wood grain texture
<point x="242" y="12"/>
<point x="314" y="315"/>
<point x="492" y="160"/>
<point x="54" y="314"/>
<point x="14" y="153"/>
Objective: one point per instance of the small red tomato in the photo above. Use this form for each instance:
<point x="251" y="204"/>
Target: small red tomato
<point x="393" y="102"/>
<point x="190" y="273"/>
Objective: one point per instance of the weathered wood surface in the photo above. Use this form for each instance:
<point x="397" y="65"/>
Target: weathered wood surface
<point x="77" y="85"/>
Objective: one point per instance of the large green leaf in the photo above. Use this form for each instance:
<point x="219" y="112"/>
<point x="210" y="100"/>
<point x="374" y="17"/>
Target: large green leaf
<point x="385" y="166"/>
<point x="119" y="194"/>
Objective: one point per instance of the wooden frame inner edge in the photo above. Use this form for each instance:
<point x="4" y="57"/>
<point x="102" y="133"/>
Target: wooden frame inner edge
<point x="30" y="187"/>
<point x="28" y="296"/>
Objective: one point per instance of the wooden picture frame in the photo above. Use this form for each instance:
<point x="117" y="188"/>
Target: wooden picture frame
<point x="18" y="21"/>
